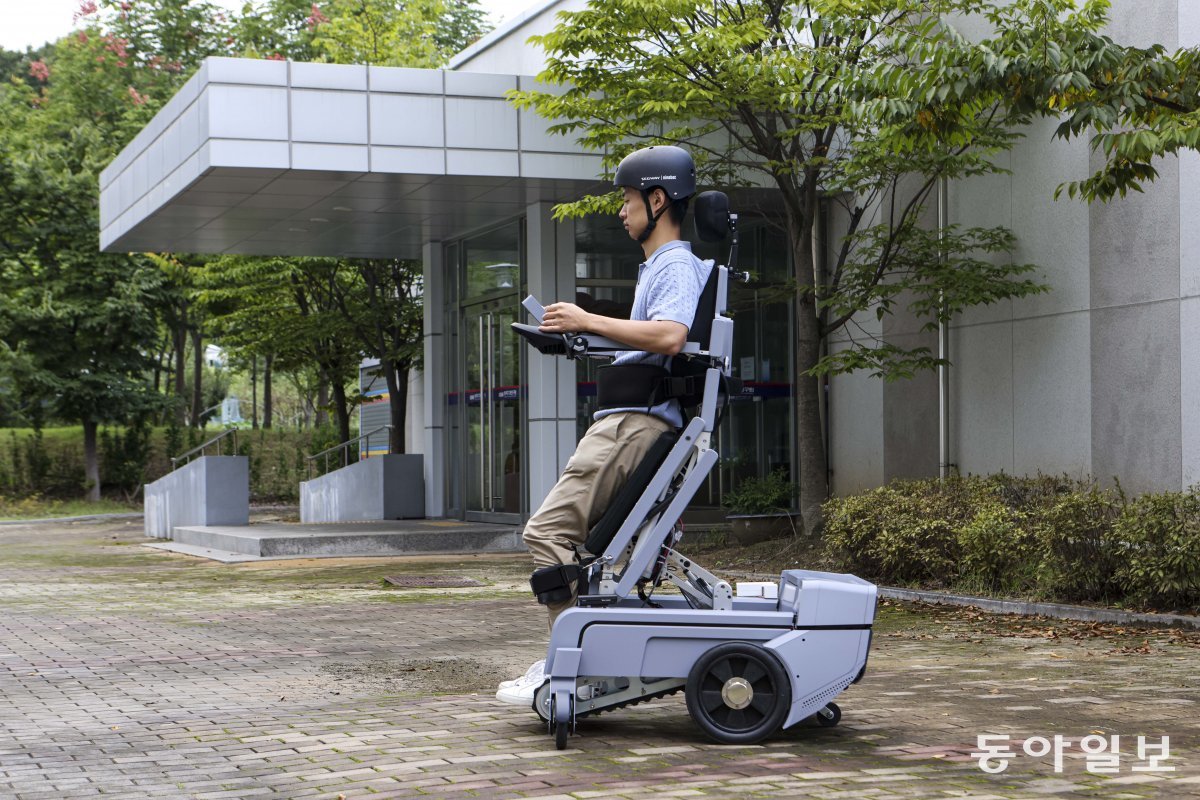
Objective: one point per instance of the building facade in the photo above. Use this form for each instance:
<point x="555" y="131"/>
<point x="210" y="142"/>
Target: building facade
<point x="1096" y="377"/>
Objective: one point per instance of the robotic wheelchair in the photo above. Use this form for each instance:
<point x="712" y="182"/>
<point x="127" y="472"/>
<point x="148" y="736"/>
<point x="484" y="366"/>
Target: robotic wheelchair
<point x="748" y="666"/>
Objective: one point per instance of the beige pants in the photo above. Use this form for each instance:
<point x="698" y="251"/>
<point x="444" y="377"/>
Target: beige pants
<point x="606" y="455"/>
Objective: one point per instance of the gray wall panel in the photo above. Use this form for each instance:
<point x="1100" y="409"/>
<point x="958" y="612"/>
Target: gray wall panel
<point x="1135" y="243"/>
<point x="390" y="112"/>
<point x="1052" y="395"/>
<point x="983" y="201"/>
<point x="981" y="398"/>
<point x="1189" y="23"/>
<point x="329" y="116"/>
<point x="1189" y="334"/>
<point x="910" y="420"/>
<point x="241" y="112"/>
<point x="1189" y="222"/>
<point x="1135" y="362"/>
<point x="1052" y="234"/>
<point x="480" y="124"/>
<point x="1142" y="24"/>
<point x="855" y="432"/>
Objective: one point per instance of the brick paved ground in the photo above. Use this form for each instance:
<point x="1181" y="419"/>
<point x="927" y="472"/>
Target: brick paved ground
<point x="130" y="673"/>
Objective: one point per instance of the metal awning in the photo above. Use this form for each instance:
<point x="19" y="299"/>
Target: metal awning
<point x="287" y="158"/>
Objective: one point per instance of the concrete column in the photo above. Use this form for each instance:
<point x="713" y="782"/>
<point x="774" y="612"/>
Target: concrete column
<point x="550" y="265"/>
<point x="414" y="425"/>
<point x="434" y="380"/>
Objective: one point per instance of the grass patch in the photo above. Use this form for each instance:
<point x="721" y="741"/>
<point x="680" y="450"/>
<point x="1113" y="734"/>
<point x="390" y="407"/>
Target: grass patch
<point x="40" y="508"/>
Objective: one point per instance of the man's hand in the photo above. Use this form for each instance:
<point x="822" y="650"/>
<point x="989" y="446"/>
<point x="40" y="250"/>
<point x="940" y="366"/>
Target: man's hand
<point x="565" y="318"/>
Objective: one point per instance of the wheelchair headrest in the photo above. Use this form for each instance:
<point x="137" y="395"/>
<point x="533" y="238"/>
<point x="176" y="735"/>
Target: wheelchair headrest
<point x="711" y="211"/>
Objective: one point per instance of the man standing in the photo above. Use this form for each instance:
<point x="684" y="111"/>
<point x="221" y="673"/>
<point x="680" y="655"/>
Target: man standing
<point x="657" y="183"/>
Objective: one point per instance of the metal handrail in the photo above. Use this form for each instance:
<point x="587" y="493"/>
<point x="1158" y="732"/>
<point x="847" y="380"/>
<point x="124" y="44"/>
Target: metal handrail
<point x="345" y="452"/>
<point x="200" y="449"/>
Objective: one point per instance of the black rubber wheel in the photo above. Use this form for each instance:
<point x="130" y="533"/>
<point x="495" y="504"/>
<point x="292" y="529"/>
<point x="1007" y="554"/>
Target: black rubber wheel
<point x="561" y="730"/>
<point x="834" y="719"/>
<point x="560" y="737"/>
<point x="738" y="693"/>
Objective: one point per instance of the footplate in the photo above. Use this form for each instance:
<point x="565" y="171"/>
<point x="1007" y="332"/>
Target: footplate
<point x="594" y="695"/>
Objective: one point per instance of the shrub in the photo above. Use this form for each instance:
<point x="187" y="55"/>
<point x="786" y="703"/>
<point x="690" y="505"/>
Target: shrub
<point x="1057" y="537"/>
<point x="903" y="532"/>
<point x="991" y="533"/>
<point x="761" y="495"/>
<point x="1078" y="550"/>
<point x="1159" y="536"/>
<point x="999" y="551"/>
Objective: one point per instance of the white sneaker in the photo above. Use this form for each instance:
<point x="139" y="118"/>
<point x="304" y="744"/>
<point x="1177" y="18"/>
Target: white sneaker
<point x="521" y="692"/>
<point x="536" y="670"/>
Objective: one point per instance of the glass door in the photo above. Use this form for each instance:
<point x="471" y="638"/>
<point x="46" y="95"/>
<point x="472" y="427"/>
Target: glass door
<point x="485" y="474"/>
<point x="493" y="403"/>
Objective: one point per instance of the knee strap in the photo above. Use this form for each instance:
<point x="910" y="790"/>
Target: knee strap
<point x="555" y="584"/>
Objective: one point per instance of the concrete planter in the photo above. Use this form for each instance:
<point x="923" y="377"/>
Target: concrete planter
<point x="212" y="490"/>
<point x="748" y="529"/>
<point x="376" y="488"/>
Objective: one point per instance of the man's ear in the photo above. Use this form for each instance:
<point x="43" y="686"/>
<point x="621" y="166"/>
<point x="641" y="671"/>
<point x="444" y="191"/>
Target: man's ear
<point x="659" y="199"/>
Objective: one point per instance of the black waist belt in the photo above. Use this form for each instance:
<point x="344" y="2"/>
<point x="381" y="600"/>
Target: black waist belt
<point x="647" y="385"/>
<point x="630" y="385"/>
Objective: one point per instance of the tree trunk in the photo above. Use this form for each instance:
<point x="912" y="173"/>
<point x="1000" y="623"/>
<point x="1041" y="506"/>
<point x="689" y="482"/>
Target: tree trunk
<point x="812" y="477"/>
<point x="397" y="385"/>
<point x="322" y="408"/>
<point x="341" y="411"/>
<point x="254" y="392"/>
<point x="91" y="460"/>
<point x="197" y="378"/>
<point x="158" y="368"/>
<point x="267" y="410"/>
<point x="180" y="336"/>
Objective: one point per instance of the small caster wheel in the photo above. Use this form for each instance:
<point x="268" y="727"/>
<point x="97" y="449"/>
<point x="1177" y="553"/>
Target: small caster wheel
<point x="562" y="720"/>
<point x="829" y="716"/>
<point x="560" y="737"/>
<point x="738" y="693"/>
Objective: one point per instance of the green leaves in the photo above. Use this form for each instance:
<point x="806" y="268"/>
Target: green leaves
<point x="866" y="104"/>
<point x="77" y="325"/>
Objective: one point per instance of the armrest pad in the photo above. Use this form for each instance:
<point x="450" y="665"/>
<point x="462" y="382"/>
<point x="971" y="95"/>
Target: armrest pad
<point x="551" y="344"/>
<point x="581" y="344"/>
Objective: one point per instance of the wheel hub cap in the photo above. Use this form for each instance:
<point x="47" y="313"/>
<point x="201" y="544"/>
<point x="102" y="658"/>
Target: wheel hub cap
<point x="737" y="693"/>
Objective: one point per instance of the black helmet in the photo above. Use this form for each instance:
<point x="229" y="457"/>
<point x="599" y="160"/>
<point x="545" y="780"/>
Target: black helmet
<point x="663" y="165"/>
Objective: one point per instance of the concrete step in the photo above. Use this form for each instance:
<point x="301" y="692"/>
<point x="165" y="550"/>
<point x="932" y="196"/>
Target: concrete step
<point x="400" y="537"/>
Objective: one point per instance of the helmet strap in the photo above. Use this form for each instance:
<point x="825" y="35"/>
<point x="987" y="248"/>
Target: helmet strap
<point x="651" y="217"/>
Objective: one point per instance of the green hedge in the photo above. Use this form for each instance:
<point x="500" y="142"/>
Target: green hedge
<point x="1055" y="538"/>
<point x="49" y="463"/>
